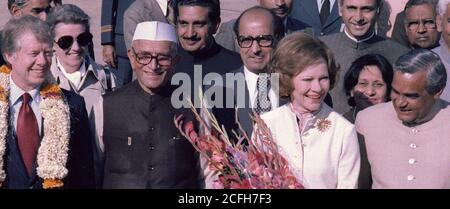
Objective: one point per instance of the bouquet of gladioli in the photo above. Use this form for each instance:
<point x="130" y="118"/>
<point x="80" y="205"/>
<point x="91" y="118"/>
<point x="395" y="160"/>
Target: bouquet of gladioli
<point x="256" y="165"/>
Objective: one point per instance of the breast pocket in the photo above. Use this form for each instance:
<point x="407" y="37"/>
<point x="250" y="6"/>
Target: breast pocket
<point x="120" y="152"/>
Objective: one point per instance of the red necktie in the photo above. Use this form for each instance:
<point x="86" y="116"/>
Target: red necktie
<point x="27" y="133"/>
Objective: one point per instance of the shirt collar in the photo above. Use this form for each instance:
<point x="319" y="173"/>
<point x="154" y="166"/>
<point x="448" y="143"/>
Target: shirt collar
<point x="251" y="78"/>
<point x="356" y="40"/>
<point x="16" y="93"/>
<point x="163" y="5"/>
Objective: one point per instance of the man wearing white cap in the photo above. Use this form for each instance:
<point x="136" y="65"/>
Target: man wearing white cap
<point x="143" y="148"/>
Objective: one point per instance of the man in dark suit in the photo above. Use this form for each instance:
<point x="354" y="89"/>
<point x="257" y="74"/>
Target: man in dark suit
<point x="226" y="36"/>
<point x="112" y="38"/>
<point x="324" y="22"/>
<point x="49" y="140"/>
<point x="143" y="148"/>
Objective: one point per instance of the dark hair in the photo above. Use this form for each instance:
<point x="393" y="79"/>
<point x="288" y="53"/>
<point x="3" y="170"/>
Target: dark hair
<point x="424" y="60"/>
<point x="379" y="3"/>
<point x="212" y="5"/>
<point x="19" y="3"/>
<point x="412" y="3"/>
<point x="277" y="22"/>
<point x="68" y="14"/>
<point x="295" y="53"/>
<point x="352" y="75"/>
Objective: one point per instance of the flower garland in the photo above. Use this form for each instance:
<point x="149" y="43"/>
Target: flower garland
<point x="53" y="150"/>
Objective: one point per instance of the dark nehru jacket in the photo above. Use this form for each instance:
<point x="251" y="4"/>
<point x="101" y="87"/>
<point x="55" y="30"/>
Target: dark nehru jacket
<point x="214" y="59"/>
<point x="143" y="149"/>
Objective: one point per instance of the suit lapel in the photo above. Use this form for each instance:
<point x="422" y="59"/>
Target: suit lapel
<point x="310" y="7"/>
<point x="244" y="113"/>
<point x="334" y="15"/>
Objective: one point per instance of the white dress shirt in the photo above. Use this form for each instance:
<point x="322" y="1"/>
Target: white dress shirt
<point x="15" y="102"/>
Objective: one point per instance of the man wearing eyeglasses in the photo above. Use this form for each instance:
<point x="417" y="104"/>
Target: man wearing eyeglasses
<point x="358" y="39"/>
<point x="258" y="31"/>
<point x="143" y="148"/>
<point x="280" y="8"/>
<point x="420" y="24"/>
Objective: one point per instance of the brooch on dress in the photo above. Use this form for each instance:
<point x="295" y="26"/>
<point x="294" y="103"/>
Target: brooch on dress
<point x="323" y="125"/>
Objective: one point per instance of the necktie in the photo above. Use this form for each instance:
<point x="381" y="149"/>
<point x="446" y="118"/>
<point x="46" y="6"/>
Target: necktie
<point x="27" y="133"/>
<point x="325" y="11"/>
<point x="262" y="100"/>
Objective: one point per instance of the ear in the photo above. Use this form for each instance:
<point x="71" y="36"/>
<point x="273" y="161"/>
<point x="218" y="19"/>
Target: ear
<point x="438" y="95"/>
<point x="439" y="23"/>
<point x="131" y="58"/>
<point x="15" y="11"/>
<point x="10" y="58"/>
<point x="215" y="28"/>
<point x="352" y="93"/>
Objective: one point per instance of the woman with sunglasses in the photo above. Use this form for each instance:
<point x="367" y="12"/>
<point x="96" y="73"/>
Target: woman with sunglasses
<point x="72" y="67"/>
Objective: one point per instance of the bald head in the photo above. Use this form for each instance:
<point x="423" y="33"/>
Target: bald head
<point x="262" y="16"/>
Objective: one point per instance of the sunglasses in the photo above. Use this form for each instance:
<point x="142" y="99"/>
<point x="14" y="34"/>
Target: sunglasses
<point x="66" y="42"/>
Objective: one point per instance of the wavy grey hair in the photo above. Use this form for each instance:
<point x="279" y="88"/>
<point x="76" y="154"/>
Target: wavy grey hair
<point x="442" y="7"/>
<point x="424" y="60"/>
<point x="68" y="14"/>
<point x="17" y="27"/>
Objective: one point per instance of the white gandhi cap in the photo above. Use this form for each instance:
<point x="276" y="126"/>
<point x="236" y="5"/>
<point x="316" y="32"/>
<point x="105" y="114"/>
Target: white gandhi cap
<point x="155" y="31"/>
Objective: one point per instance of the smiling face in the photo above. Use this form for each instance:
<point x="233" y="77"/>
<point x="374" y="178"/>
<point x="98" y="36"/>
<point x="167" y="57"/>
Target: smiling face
<point x="359" y="17"/>
<point x="409" y="96"/>
<point x="280" y="7"/>
<point x="253" y="24"/>
<point x="152" y="75"/>
<point x="421" y="26"/>
<point x="73" y="57"/>
<point x="194" y="28"/>
<point x="31" y="63"/>
<point x="370" y="89"/>
<point x="310" y="87"/>
<point x="37" y="8"/>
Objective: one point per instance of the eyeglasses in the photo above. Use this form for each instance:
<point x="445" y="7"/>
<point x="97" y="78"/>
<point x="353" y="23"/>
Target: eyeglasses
<point x="262" y="40"/>
<point x="414" y="25"/>
<point x="145" y="59"/>
<point x="66" y="42"/>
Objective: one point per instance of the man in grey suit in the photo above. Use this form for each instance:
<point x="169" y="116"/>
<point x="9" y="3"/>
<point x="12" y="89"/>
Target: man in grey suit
<point x="226" y="37"/>
<point x="359" y="38"/>
<point x="322" y="15"/>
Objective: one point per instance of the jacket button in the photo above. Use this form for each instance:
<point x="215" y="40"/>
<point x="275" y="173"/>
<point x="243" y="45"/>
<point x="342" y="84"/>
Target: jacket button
<point x="152" y="128"/>
<point x="152" y="148"/>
